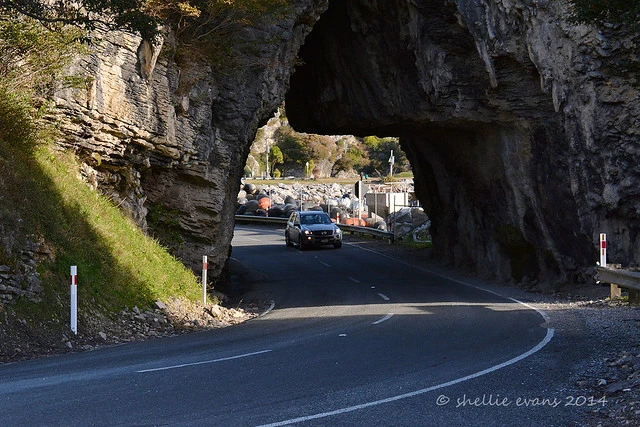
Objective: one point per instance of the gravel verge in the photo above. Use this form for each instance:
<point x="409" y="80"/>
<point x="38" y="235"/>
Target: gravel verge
<point x="21" y="340"/>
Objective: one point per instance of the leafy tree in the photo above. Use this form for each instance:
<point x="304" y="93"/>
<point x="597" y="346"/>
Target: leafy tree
<point x="601" y="11"/>
<point x="379" y="151"/>
<point x="321" y="147"/>
<point x="626" y="13"/>
<point x="275" y="157"/>
<point x="293" y="146"/>
<point x="372" y="142"/>
<point x="129" y="14"/>
<point x="204" y="28"/>
<point x="207" y="30"/>
<point x="32" y="58"/>
<point x="352" y="159"/>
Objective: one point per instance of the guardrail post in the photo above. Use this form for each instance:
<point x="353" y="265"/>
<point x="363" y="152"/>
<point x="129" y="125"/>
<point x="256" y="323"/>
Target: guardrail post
<point x="615" y="291"/>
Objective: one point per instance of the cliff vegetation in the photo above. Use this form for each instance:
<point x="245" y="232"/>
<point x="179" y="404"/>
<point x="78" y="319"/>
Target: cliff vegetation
<point x="49" y="218"/>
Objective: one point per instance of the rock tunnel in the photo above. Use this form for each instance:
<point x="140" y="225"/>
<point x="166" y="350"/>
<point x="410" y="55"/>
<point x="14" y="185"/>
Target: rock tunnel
<point x="521" y="137"/>
<point x="475" y="94"/>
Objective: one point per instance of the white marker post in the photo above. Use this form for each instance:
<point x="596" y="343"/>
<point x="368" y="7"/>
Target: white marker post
<point x="205" y="267"/>
<point x="359" y="184"/>
<point x="603" y="250"/>
<point x="74" y="299"/>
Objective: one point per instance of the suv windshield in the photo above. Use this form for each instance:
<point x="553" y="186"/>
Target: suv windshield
<point x="319" y="218"/>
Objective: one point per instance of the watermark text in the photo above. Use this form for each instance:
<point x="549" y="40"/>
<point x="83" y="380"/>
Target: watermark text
<point x="496" y="400"/>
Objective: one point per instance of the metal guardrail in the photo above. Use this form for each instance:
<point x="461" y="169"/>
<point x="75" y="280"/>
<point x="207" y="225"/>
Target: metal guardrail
<point x="353" y="229"/>
<point x="260" y="219"/>
<point x="618" y="278"/>
<point x="623" y="278"/>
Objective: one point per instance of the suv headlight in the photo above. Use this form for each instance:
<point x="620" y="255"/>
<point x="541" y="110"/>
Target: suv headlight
<point x="306" y="232"/>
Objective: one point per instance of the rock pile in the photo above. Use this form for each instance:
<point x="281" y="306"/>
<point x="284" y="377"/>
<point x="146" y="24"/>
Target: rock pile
<point x="618" y="383"/>
<point x="410" y="223"/>
<point x="175" y="316"/>
<point x="24" y="339"/>
<point x="278" y="200"/>
<point x="21" y="278"/>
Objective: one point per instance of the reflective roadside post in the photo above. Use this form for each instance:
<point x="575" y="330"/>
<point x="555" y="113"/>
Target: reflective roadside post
<point x="74" y="299"/>
<point x="359" y="194"/>
<point x="603" y="250"/>
<point x="205" y="267"/>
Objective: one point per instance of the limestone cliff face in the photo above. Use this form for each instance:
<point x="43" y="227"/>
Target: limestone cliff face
<point x="168" y="142"/>
<point x="522" y="138"/>
<point x="522" y="135"/>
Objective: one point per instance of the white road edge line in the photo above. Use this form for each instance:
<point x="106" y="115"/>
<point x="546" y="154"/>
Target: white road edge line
<point x="164" y="368"/>
<point x="387" y="317"/>
<point x="516" y="359"/>
<point x="383" y="296"/>
<point x="538" y="347"/>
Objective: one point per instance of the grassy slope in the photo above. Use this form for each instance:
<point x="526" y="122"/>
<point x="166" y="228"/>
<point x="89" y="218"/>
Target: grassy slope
<point x="41" y="194"/>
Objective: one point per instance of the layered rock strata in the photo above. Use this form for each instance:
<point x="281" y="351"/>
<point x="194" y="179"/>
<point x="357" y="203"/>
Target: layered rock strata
<point x="521" y="129"/>
<point x="167" y="142"/>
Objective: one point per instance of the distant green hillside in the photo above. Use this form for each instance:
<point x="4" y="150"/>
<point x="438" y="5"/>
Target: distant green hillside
<point x="292" y="153"/>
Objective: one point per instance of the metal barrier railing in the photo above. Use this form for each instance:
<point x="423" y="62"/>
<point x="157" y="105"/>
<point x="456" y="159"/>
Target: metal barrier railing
<point x="618" y="278"/>
<point x="353" y="229"/>
<point x="260" y="219"/>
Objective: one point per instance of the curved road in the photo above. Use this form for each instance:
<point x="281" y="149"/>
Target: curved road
<point x="356" y="338"/>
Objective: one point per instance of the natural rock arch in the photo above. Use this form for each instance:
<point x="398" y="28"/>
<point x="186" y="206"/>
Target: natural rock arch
<point x="502" y="110"/>
<point x="522" y="140"/>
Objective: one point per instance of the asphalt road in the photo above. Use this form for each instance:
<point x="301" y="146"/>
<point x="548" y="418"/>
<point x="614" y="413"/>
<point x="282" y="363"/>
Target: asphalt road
<point x="355" y="338"/>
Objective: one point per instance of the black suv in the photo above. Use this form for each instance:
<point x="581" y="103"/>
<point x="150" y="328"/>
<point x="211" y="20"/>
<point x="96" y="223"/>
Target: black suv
<point x="309" y="228"/>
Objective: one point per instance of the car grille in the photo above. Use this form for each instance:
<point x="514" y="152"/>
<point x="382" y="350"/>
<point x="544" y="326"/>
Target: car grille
<point x="323" y="233"/>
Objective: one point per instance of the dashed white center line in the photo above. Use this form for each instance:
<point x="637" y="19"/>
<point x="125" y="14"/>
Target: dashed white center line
<point x="164" y="368"/>
<point x="353" y="280"/>
<point x="324" y="263"/>
<point x="387" y="317"/>
<point x="383" y="296"/>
